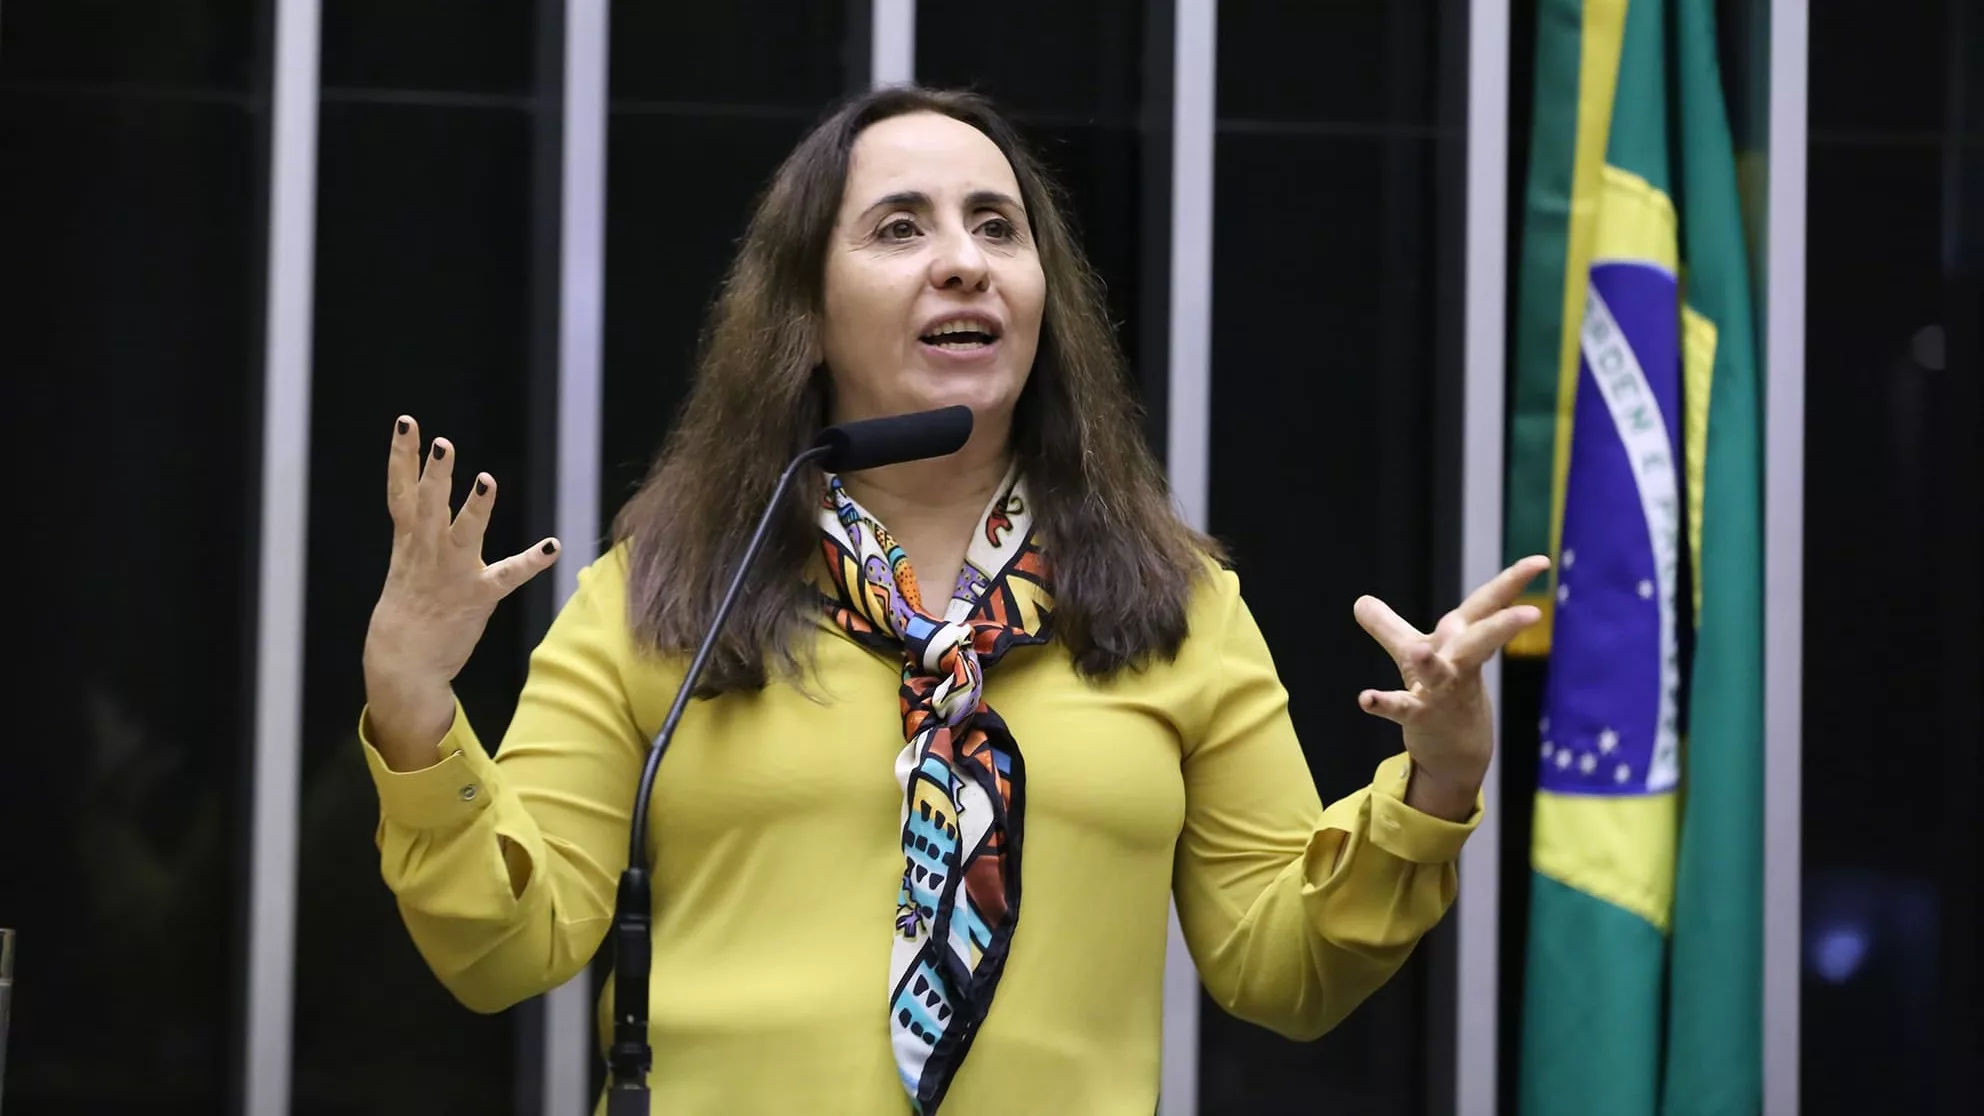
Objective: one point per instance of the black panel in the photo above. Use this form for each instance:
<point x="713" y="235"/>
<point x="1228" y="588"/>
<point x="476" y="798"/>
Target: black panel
<point x="186" y="44"/>
<point x="1892" y="704"/>
<point x="422" y="307"/>
<point x="454" y="46"/>
<point x="1101" y="168"/>
<point x="1323" y="483"/>
<point x="1039" y="57"/>
<point x="708" y="58"/>
<point x="1871" y="896"/>
<point x="131" y="426"/>
<point x="1522" y="679"/>
<point x="1332" y="64"/>
<point x="1879" y="84"/>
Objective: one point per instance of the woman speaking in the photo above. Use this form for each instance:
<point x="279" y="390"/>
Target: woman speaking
<point x="973" y="722"/>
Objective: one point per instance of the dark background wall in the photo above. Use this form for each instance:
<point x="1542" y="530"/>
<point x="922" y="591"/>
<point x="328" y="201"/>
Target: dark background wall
<point x="1894" y="685"/>
<point x="130" y="214"/>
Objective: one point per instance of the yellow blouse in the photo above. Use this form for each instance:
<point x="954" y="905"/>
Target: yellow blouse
<point x="777" y="864"/>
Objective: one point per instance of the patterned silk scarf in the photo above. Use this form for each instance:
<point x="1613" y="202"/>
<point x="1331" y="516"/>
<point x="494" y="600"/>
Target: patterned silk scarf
<point x="963" y="782"/>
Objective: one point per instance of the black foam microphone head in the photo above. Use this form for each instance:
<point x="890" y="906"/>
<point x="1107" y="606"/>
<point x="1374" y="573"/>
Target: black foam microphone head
<point x="873" y="443"/>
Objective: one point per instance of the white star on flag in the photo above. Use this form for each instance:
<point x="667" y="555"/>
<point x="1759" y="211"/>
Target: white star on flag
<point x="1624" y="773"/>
<point x="1548" y="747"/>
<point x="1563" y="592"/>
<point x="1646" y="590"/>
<point x="1607" y="741"/>
<point x="1587" y="763"/>
<point x="1563" y="758"/>
<point x="1570" y="558"/>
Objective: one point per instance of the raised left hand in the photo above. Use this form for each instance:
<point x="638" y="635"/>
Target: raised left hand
<point x="1443" y="709"/>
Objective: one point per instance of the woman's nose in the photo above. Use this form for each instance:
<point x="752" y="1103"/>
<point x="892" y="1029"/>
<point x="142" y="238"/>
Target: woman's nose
<point x="959" y="262"/>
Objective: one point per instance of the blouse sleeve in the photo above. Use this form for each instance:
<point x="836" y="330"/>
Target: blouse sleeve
<point x="505" y="867"/>
<point x="1294" y="912"/>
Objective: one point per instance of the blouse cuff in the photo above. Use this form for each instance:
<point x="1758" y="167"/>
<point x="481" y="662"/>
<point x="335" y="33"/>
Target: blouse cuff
<point x="443" y="795"/>
<point x="1411" y="834"/>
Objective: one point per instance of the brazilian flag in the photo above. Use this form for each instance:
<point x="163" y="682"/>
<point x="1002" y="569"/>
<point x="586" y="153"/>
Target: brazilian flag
<point x="1635" y="459"/>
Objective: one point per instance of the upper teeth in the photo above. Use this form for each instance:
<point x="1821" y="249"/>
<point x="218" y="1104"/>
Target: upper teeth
<point x="958" y="327"/>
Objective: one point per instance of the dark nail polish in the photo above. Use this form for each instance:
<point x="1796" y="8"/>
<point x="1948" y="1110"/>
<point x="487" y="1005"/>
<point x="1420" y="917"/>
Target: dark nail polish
<point x="440" y="451"/>
<point x="403" y="426"/>
<point x="481" y="487"/>
<point x="550" y="548"/>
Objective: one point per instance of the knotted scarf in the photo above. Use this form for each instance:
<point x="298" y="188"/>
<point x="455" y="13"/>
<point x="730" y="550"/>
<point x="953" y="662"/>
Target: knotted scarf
<point x="964" y="785"/>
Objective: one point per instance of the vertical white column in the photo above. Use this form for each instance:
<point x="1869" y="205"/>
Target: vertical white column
<point x="1188" y="428"/>
<point x="1784" y="546"/>
<point x="1188" y="434"/>
<point x="1478" y="908"/>
<point x="568" y="1030"/>
<point x="285" y="479"/>
<point x="892" y="52"/>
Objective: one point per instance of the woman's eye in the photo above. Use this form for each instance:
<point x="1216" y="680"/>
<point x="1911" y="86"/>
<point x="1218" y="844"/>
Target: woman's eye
<point x="998" y="228"/>
<point x="902" y="228"/>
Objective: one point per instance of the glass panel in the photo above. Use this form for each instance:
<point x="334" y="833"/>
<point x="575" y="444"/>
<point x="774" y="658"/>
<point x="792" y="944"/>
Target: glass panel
<point x="129" y="397"/>
<point x="452" y="46"/>
<point x="1891" y="559"/>
<point x="1335" y="264"/>
<point x="713" y="58"/>
<point x="423" y="258"/>
<point x="1336" y="65"/>
<point x="194" y="45"/>
<point x="1086" y="64"/>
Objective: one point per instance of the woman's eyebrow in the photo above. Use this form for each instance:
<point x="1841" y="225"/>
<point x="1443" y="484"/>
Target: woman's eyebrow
<point x="917" y="199"/>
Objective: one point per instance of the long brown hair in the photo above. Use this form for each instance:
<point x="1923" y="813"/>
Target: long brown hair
<point x="1124" y="566"/>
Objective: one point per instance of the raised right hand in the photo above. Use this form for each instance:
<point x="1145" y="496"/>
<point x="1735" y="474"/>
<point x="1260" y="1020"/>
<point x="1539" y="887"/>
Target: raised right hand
<point x="438" y="596"/>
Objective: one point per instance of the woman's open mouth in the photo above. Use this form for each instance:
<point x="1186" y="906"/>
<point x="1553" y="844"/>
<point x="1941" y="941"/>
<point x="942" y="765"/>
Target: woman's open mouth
<point x="962" y="335"/>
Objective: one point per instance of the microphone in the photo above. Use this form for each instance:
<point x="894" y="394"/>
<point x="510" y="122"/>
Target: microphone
<point x="851" y="446"/>
<point x="872" y="443"/>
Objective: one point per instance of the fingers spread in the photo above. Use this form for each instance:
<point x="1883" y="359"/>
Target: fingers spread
<point x="1393" y="705"/>
<point x="506" y="576"/>
<point x="473" y="519"/>
<point x="403" y="472"/>
<point x="1483" y="639"/>
<point x="1501" y="591"/>
<point x="1385" y="626"/>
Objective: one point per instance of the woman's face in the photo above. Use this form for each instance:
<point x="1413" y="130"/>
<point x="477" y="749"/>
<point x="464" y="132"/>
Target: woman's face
<point x="933" y="286"/>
